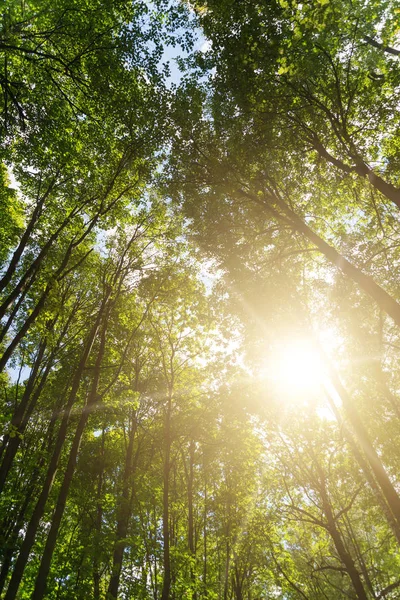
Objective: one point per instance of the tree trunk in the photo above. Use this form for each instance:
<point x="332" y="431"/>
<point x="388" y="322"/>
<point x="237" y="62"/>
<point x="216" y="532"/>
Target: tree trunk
<point x="371" y="455"/>
<point x="344" y="556"/>
<point x="191" y="533"/>
<point x="388" y="190"/>
<point x="99" y="518"/>
<point x="366" y="283"/>
<point x="23" y="412"/>
<point x="57" y="276"/>
<point x="51" y="471"/>
<point x="20" y="409"/>
<point x="166" y="533"/>
<point x="205" y="557"/>
<point x="124" y="514"/>
<point x="366" y="469"/>
<point x="385" y="302"/>
<point x="44" y="568"/>
<point x="5" y="280"/>
<point x="226" y="573"/>
<point x="12" y="539"/>
<point x="30" y="274"/>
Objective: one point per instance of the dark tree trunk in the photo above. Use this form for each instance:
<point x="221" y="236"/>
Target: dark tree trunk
<point x="368" y="473"/>
<point x="226" y="573"/>
<point x="99" y="518"/>
<point x="11" y="541"/>
<point x="51" y="471"/>
<point x="124" y="514"/>
<point x="166" y="471"/>
<point x="29" y="276"/>
<point x="271" y="200"/>
<point x="191" y="532"/>
<point x="366" y="283"/>
<point x="205" y="557"/>
<point x="371" y="455"/>
<point x="60" y="273"/>
<point x="344" y="555"/>
<point x="5" y="280"/>
<point x="27" y="405"/>
<point x="388" y="190"/>
<point x="20" y="409"/>
<point x="44" y="568"/>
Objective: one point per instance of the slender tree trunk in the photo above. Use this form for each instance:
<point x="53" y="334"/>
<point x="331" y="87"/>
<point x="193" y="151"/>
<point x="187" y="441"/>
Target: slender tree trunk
<point x="359" y="555"/>
<point x="366" y="469"/>
<point x="366" y="283"/>
<point x="237" y="584"/>
<point x="13" y="313"/>
<point x="166" y="532"/>
<point x="44" y="568"/>
<point x="205" y="557"/>
<point x="58" y="275"/>
<point x="226" y="573"/>
<point x="30" y="274"/>
<point x="191" y="534"/>
<point x="344" y="555"/>
<point x="23" y="412"/>
<point x="385" y="302"/>
<point x="19" y="523"/>
<point x="19" y="336"/>
<point x="371" y="455"/>
<point x="21" y="418"/>
<point x="5" y="280"/>
<point x="51" y="471"/>
<point x="124" y="514"/>
<point x="388" y="190"/>
<point x="99" y="518"/>
<point x="20" y="409"/>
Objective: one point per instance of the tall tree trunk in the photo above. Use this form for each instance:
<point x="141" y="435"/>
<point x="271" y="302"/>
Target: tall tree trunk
<point x="39" y="509"/>
<point x="19" y="336"/>
<point x="166" y="471"/>
<point x="205" y="557"/>
<point x="20" y="409"/>
<point x="237" y="583"/>
<point x="374" y="461"/>
<point x="24" y="410"/>
<point x="359" y="555"/>
<point x="44" y="568"/>
<point x="366" y="283"/>
<point x="59" y="274"/>
<point x="124" y="513"/>
<point x="371" y="455"/>
<point x="366" y="469"/>
<point x="99" y="518"/>
<point x="344" y="555"/>
<point x="12" y="539"/>
<point x="31" y="272"/>
<point x="5" y="280"/>
<point x="387" y="189"/>
<point x="226" y="572"/>
<point x="191" y="533"/>
<point x="385" y="302"/>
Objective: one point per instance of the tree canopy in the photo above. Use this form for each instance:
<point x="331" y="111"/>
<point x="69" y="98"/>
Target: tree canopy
<point x="199" y="300"/>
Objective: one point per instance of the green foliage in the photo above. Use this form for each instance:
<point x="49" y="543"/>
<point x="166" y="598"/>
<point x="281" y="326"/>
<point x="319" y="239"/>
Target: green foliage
<point x="11" y="215"/>
<point x="162" y="242"/>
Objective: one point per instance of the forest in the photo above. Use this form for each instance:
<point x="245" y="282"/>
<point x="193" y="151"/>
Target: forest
<point x="199" y="300"/>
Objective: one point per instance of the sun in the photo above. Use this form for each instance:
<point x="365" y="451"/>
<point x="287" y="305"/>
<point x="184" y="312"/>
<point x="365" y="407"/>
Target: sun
<point x="295" y="368"/>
